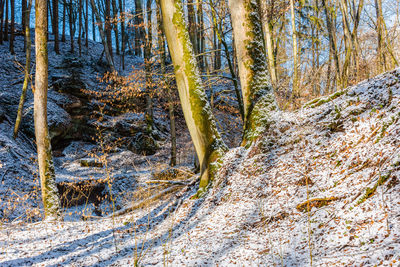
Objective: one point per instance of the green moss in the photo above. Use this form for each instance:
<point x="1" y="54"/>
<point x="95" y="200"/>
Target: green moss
<point x="369" y="191"/>
<point x="319" y="101"/>
<point x="260" y="98"/>
<point x="200" y="108"/>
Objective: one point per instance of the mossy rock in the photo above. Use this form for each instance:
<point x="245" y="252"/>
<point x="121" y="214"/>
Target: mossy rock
<point x="143" y="144"/>
<point x="90" y="162"/>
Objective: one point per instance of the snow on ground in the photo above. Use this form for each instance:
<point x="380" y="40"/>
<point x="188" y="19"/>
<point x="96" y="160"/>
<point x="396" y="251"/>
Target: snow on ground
<point x="341" y="153"/>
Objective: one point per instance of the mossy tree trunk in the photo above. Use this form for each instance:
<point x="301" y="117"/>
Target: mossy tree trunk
<point x="166" y="83"/>
<point x="257" y="92"/>
<point x="27" y="68"/>
<point x="50" y="196"/>
<point x="196" y="109"/>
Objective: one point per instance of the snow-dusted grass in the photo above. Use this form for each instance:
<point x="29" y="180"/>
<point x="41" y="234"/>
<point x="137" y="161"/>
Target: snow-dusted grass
<point x="250" y="217"/>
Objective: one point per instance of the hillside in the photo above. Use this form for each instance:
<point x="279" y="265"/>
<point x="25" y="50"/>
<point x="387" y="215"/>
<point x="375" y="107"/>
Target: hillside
<point x="321" y="185"/>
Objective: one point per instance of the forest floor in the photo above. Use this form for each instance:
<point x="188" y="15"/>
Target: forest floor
<point x="322" y="186"/>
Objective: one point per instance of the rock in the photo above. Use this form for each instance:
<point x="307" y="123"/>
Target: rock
<point x="143" y="144"/>
<point x="71" y="85"/>
<point x="59" y="121"/>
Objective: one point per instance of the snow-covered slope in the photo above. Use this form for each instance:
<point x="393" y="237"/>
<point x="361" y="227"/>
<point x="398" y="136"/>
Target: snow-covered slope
<point x="322" y="185"/>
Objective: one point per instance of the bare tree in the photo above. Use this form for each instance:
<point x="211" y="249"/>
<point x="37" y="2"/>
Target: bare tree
<point x="27" y="68"/>
<point x="51" y="202"/>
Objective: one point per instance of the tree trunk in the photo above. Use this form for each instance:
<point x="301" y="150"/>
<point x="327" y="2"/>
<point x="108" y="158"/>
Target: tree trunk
<point x="93" y="25"/>
<point x="80" y="27"/>
<point x="108" y="27"/>
<point x="269" y="42"/>
<point x="115" y="25"/>
<point x="71" y="23"/>
<point x="55" y="19"/>
<point x="87" y="24"/>
<point x="138" y="27"/>
<point x="23" y="22"/>
<point x="12" y="26"/>
<point x="148" y="69"/>
<point x="332" y="41"/>
<point x="63" y="23"/>
<point x="200" y="35"/>
<point x="167" y="85"/>
<point x="27" y="68"/>
<point x="102" y="35"/>
<point x="122" y="14"/>
<point x="1" y="20"/>
<point x="221" y="38"/>
<point x="6" y="23"/>
<point x="196" y="109"/>
<point x="51" y="202"/>
<point x="296" y="91"/>
<point x="257" y="92"/>
<point x="192" y="25"/>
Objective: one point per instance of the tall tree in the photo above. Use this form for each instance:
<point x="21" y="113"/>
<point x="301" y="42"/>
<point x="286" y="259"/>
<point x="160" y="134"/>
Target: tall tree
<point x="80" y="26"/>
<point x="1" y="20"/>
<point x="51" y="202"/>
<point x="269" y="39"/>
<point x="257" y="92"/>
<point x="55" y="27"/>
<point x="138" y="21"/>
<point x="64" y="4"/>
<point x="296" y="92"/>
<point x="102" y="35"/>
<point x="122" y="13"/>
<point x="27" y="68"/>
<point x="12" y="30"/>
<point x="72" y="17"/>
<point x="196" y="109"/>
<point x="107" y="19"/>
<point x="148" y="68"/>
<point x="87" y="23"/>
<point x="6" y="22"/>
<point x="166" y="83"/>
<point x="115" y="25"/>
<point x="332" y="40"/>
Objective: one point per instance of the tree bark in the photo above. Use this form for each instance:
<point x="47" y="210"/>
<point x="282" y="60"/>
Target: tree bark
<point x="167" y="85"/>
<point x="27" y="69"/>
<point x="332" y="41"/>
<point x="122" y="14"/>
<point x="115" y="25"/>
<point x="148" y="69"/>
<point x="51" y="202"/>
<point x="269" y="42"/>
<point x="6" y="22"/>
<point x="55" y="26"/>
<point x="258" y="95"/>
<point x="12" y="34"/>
<point x="80" y="27"/>
<point x="87" y="24"/>
<point x="296" y="91"/>
<point x="1" y="20"/>
<point x="108" y="27"/>
<point x="221" y="38"/>
<point x="71" y="25"/>
<point x="139" y="36"/>
<point x="196" y="109"/>
<point x="64" y="21"/>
